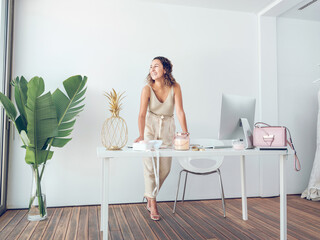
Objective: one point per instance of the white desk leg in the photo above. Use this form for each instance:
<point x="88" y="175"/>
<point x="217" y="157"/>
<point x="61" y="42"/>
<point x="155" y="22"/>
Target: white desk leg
<point x="243" y="189"/>
<point x="283" y="198"/>
<point x="105" y="197"/>
<point x="102" y="197"/>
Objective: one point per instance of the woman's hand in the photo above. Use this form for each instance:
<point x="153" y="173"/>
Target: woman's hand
<point x="139" y="139"/>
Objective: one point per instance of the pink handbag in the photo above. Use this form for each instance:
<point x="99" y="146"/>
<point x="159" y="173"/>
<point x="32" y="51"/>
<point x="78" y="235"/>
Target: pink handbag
<point x="267" y="136"/>
<point x="273" y="138"/>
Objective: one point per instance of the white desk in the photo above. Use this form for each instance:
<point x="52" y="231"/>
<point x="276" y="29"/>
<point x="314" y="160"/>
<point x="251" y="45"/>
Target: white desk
<point x="129" y="153"/>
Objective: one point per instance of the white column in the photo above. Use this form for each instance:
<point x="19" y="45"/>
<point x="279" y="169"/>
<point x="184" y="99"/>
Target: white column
<point x="243" y="189"/>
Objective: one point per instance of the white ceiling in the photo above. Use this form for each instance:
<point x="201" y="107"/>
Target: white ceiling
<point x="254" y="6"/>
<point x="232" y="5"/>
<point x="312" y="12"/>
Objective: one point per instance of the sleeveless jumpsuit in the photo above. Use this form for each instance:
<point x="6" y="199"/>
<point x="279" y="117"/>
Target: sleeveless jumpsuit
<point x="159" y="125"/>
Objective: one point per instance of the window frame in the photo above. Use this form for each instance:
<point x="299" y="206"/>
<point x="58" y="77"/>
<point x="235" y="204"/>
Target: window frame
<point x="6" y="34"/>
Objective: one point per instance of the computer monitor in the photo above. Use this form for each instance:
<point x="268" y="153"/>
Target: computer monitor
<point x="237" y="118"/>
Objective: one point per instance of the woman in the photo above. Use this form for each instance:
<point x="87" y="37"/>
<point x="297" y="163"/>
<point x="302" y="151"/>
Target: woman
<point x="159" y="97"/>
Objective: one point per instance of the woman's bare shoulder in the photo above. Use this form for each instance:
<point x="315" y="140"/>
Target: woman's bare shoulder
<point x="146" y="90"/>
<point x="176" y="87"/>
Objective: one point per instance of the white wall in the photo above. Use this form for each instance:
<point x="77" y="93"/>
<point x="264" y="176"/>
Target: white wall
<point x="268" y="100"/>
<point x="298" y="59"/>
<point x="113" y="42"/>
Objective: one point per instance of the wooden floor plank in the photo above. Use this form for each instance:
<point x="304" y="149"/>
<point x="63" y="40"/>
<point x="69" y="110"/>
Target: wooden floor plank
<point x="99" y="223"/>
<point x="72" y="227"/>
<point x="123" y="223"/>
<point x="28" y="231"/>
<point x="146" y="229"/>
<point x="220" y="224"/>
<point x="94" y="230"/>
<point x="183" y="228"/>
<point x="6" y="218"/>
<point x="165" y="225"/>
<point x="237" y="224"/>
<point x="201" y="220"/>
<point x="12" y="224"/>
<point x="192" y="220"/>
<point x="174" y="226"/>
<point x="270" y="219"/>
<point x="271" y="211"/>
<point x="114" y="228"/>
<point x="154" y="225"/>
<point x="133" y="224"/>
<point x="42" y="226"/>
<point x="51" y="227"/>
<point x="20" y="227"/>
<point x="62" y="225"/>
<point x="216" y="218"/>
<point x="83" y="233"/>
<point x="272" y="228"/>
<point x="306" y="228"/>
<point x="266" y="232"/>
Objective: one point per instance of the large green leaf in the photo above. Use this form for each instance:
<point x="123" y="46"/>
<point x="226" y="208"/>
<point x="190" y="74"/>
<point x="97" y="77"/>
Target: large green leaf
<point x="74" y="85"/>
<point x="60" y="142"/>
<point x="37" y="87"/>
<point x="67" y="107"/>
<point x="41" y="155"/>
<point x="24" y="138"/>
<point x="67" y="125"/>
<point x="8" y="107"/>
<point x="41" y="114"/>
<point x="20" y="94"/>
<point x="21" y="124"/>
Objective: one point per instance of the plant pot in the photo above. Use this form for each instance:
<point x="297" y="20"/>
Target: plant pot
<point x="37" y="203"/>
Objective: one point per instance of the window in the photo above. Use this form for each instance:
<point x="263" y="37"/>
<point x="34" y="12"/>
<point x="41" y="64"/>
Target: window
<point x="5" y="74"/>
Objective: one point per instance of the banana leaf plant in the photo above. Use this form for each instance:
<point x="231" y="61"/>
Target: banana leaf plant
<point x="43" y="120"/>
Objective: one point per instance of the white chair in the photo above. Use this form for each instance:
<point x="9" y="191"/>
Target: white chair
<point x="191" y="165"/>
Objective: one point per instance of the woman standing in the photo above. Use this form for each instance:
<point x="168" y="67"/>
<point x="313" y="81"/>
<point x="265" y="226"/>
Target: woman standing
<point x="159" y="97"/>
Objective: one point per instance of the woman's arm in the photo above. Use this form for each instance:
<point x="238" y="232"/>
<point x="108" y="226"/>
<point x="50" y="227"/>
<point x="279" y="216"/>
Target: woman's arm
<point x="145" y="95"/>
<point x="179" y="107"/>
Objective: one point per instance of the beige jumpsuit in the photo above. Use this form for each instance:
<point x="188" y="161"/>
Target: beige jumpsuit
<point x="159" y="126"/>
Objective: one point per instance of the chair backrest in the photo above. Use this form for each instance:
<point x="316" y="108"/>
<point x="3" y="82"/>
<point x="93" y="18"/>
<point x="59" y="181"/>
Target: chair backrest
<point x="202" y="165"/>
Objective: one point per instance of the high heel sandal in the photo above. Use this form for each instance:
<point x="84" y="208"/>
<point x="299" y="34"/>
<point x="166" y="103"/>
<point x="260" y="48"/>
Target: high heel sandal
<point x="154" y="217"/>
<point x="147" y="203"/>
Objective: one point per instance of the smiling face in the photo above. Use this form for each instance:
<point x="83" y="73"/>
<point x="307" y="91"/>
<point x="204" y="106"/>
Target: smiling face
<point x="156" y="70"/>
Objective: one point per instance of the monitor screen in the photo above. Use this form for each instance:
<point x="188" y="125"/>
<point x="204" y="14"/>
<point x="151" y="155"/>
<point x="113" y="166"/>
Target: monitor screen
<point x="233" y="108"/>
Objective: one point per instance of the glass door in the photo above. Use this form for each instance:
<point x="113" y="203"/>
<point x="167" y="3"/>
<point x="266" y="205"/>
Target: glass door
<point x="5" y="75"/>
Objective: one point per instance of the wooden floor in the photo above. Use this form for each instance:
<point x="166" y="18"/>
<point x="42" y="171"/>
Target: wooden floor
<point x="193" y="220"/>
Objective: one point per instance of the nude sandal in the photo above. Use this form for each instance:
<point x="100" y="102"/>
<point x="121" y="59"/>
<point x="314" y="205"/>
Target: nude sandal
<point x="155" y="217"/>
<point x="147" y="204"/>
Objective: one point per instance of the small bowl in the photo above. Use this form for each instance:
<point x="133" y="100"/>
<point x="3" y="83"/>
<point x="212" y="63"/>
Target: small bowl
<point x="238" y="145"/>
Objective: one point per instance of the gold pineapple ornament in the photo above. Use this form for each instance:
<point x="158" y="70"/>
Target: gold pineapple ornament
<point x="114" y="133"/>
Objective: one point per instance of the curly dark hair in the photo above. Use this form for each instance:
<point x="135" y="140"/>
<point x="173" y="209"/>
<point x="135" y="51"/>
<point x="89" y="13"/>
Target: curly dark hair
<point x="169" y="80"/>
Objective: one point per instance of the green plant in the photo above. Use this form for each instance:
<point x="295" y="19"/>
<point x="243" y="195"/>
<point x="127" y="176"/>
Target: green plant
<point x="44" y="120"/>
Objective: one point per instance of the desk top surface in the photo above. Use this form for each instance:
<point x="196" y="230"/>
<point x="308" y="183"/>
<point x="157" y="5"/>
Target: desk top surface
<point x="129" y="152"/>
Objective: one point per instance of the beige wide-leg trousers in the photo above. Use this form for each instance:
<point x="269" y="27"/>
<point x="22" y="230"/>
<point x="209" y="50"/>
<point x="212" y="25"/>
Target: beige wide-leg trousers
<point x="157" y="128"/>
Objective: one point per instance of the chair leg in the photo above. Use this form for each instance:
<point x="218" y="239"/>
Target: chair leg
<point x="222" y="193"/>
<point x="184" y="188"/>
<point x="175" y="202"/>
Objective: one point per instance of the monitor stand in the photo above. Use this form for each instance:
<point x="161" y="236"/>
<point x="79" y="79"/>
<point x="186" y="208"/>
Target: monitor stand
<point x="248" y="138"/>
<point x="247" y="134"/>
